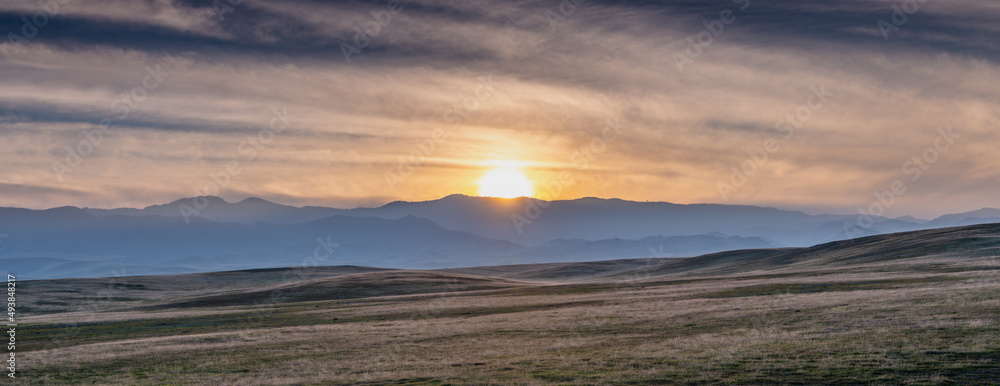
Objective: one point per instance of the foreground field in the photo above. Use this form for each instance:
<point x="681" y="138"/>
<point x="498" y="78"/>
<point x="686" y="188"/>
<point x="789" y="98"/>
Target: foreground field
<point x="837" y="314"/>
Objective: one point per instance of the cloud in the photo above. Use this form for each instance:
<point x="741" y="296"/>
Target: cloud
<point x="556" y="80"/>
<point x="34" y="195"/>
<point x="166" y="14"/>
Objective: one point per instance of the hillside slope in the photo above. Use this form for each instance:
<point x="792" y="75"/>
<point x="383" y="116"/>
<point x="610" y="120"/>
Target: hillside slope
<point x="974" y="241"/>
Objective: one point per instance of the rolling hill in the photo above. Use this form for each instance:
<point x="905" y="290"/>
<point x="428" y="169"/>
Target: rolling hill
<point x="951" y="244"/>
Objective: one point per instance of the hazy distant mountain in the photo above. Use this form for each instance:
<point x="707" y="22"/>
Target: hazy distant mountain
<point x="32" y="268"/>
<point x="249" y="211"/>
<point x="70" y="242"/>
<point x="453" y="231"/>
<point x="534" y="222"/>
<point x="530" y="221"/>
<point x="982" y="216"/>
<point x="35" y="238"/>
<point x="911" y="219"/>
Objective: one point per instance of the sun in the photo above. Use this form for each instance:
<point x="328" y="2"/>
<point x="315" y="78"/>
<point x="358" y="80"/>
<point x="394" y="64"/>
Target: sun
<point x="506" y="180"/>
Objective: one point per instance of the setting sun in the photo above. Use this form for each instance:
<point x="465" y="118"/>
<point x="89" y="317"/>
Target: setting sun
<point x="505" y="181"/>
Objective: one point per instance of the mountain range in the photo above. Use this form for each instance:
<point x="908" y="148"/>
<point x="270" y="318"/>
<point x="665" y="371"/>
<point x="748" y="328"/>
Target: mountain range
<point x="204" y="234"/>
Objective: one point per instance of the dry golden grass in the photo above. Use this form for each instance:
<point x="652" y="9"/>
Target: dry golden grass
<point x="881" y="323"/>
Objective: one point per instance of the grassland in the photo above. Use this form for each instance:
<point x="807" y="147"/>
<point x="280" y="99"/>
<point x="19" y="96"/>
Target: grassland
<point x="831" y="314"/>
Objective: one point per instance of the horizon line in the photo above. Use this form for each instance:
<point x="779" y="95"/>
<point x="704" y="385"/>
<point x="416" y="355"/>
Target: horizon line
<point x="275" y="202"/>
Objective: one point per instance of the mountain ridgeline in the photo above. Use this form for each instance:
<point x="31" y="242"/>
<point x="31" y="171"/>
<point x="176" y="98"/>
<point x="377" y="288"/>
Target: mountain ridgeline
<point x="210" y="234"/>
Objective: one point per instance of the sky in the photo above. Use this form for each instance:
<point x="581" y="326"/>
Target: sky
<point x="816" y="106"/>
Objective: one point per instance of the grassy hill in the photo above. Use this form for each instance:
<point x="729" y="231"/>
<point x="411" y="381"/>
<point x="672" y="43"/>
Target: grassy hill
<point x="352" y="286"/>
<point x="953" y="244"/>
<point x="918" y="307"/>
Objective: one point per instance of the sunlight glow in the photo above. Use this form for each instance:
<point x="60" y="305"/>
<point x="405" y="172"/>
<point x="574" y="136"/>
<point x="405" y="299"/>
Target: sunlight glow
<point x="505" y="180"/>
